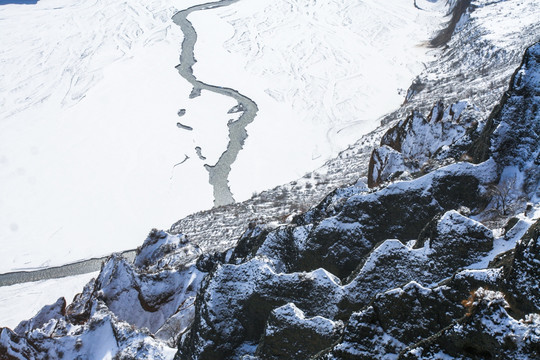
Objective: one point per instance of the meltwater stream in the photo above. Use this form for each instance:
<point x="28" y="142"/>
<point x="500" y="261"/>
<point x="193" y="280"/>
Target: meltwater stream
<point x="219" y="172"/>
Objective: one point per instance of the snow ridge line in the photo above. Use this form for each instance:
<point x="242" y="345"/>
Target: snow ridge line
<point x="219" y="172"/>
<point x="56" y="272"/>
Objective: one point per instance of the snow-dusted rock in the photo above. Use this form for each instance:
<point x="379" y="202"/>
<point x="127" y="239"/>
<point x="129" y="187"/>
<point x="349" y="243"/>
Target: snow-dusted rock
<point x="487" y="331"/>
<point x="516" y="139"/>
<point x="290" y="335"/>
<point x="459" y="241"/>
<point x="413" y="143"/>
<point x="455" y="239"/>
<point x="384" y="164"/>
<point x="524" y="277"/>
<point x="236" y="301"/>
<point x="131" y="310"/>
<point x="47" y="313"/>
<point x="399" y="211"/>
<point x="161" y="250"/>
<point x="102" y="337"/>
<point x="394" y="320"/>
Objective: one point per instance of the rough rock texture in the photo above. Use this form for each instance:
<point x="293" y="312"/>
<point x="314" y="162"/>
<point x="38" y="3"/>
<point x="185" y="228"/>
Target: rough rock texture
<point x="516" y="140"/>
<point x="400" y="211"/>
<point x="487" y="331"/>
<point x="290" y="335"/>
<point x="517" y="116"/>
<point x="375" y="241"/>
<point x="524" y="276"/>
<point x="394" y="319"/>
<point x="236" y="300"/>
<point x="459" y="242"/>
<point x="417" y="144"/>
<point x="130" y="310"/>
<point x="385" y="164"/>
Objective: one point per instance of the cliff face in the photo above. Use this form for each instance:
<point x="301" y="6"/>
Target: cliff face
<point x="434" y="255"/>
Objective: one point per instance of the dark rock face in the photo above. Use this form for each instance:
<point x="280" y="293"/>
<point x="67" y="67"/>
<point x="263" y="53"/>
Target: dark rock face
<point x="516" y="140"/>
<point x="524" y="277"/>
<point x="512" y="133"/>
<point x="399" y="211"/>
<point x="393" y="320"/>
<point x="236" y="301"/>
<point x="458" y="241"/>
<point x="239" y="299"/>
<point x="398" y="251"/>
<point x="78" y="312"/>
<point x="487" y="331"/>
<point x="289" y="335"/>
<point x="385" y="164"/>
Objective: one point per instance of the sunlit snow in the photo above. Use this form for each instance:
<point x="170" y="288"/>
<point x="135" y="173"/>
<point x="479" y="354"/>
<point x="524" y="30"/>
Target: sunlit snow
<point x="89" y="99"/>
<point x="91" y="157"/>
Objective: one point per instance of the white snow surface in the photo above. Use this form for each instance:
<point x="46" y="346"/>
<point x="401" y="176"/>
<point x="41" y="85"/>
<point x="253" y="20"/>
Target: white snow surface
<point x="88" y="139"/>
<point x="89" y="98"/>
<point x="321" y="72"/>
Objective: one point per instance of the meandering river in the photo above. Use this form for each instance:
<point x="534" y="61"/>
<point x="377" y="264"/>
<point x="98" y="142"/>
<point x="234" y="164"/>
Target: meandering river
<point x="219" y="172"/>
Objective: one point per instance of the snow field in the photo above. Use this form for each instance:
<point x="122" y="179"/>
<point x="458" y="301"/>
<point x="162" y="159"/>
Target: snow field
<point x="321" y="74"/>
<point x="88" y="135"/>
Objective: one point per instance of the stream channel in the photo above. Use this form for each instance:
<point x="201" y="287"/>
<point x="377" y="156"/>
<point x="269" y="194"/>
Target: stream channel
<point x="219" y="172"/>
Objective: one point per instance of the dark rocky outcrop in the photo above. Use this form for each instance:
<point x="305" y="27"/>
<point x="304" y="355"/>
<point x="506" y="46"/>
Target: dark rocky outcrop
<point x="524" y="277"/>
<point x="263" y="301"/>
<point x="290" y="335"/>
<point x="393" y="320"/>
<point x="512" y="132"/>
<point x="458" y="9"/>
<point x="486" y="331"/>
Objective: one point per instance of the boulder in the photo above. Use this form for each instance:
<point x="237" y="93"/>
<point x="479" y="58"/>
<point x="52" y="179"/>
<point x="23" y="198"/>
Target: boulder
<point x="290" y="335"/>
